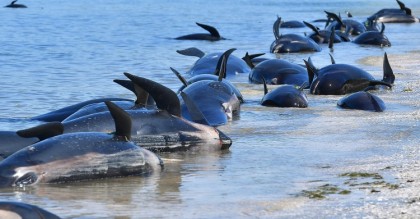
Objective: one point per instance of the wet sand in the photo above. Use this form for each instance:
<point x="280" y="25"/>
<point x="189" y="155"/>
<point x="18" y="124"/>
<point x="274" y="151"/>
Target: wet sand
<point x="381" y="185"/>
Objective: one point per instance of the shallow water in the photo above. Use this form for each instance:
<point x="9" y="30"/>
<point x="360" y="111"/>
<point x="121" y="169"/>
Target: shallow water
<point x="57" y="53"/>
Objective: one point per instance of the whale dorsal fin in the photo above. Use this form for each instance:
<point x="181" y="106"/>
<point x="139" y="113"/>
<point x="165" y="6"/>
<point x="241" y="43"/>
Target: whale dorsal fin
<point x="389" y="76"/>
<point x="213" y="31"/>
<point x="265" y="85"/>
<point x="276" y="28"/>
<point x="332" y="59"/>
<point x="334" y="17"/>
<point x="165" y="98"/>
<point x="248" y="60"/>
<point x="312" y="27"/>
<point x="407" y="11"/>
<point x="382" y="28"/>
<point x="311" y="71"/>
<point x="195" y="113"/>
<point x="182" y="79"/>
<point x="349" y="14"/>
<point x="331" y="40"/>
<point x="401" y="4"/>
<point x="43" y="131"/>
<point x="141" y="95"/>
<point x="222" y="64"/>
<point x="122" y="121"/>
<point x="192" y="51"/>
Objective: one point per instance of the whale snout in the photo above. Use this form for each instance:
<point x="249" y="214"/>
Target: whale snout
<point x="225" y="141"/>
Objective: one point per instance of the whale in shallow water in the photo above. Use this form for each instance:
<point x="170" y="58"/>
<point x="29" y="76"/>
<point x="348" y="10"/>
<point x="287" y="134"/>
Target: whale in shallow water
<point x="339" y="79"/>
<point x="14" y="5"/>
<point x="80" y="156"/>
<point x="17" y="210"/>
<point x="212" y="36"/>
<point x="285" y="96"/>
<point x="362" y="100"/>
<point x="290" y="43"/>
<point x="393" y="15"/>
<point x="376" y="38"/>
<point x="217" y="108"/>
<point x="61" y="114"/>
<point x="162" y="130"/>
<point x="207" y="63"/>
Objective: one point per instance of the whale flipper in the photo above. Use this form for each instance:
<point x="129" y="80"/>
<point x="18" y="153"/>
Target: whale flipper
<point x="43" y="131"/>
<point x="389" y="76"/>
<point x="192" y="51"/>
<point x="213" y="31"/>
<point x="165" y="98"/>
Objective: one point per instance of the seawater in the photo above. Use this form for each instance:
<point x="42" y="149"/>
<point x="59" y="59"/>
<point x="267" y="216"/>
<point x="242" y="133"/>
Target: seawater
<point x="57" y="53"/>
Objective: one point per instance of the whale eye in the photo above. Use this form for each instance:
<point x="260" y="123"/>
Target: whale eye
<point x="27" y="179"/>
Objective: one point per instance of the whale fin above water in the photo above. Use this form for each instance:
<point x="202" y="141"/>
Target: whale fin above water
<point x="312" y="27"/>
<point x="182" y="79"/>
<point x="195" y="113"/>
<point x="142" y="96"/>
<point x="389" y="76"/>
<point x="192" y="51"/>
<point x="332" y="58"/>
<point x="221" y="66"/>
<point x="311" y="71"/>
<point x="212" y="30"/>
<point x="276" y="28"/>
<point x="122" y="121"/>
<point x="165" y="98"/>
<point x="43" y="131"/>
<point x="248" y="60"/>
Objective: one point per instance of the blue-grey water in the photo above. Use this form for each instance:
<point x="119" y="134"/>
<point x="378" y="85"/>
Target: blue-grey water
<point x="57" y="53"/>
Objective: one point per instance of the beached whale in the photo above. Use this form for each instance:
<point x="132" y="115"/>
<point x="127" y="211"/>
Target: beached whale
<point x="362" y="100"/>
<point x="377" y="38"/>
<point x="285" y="96"/>
<point x="277" y="71"/>
<point x="80" y="156"/>
<point x="215" y="99"/>
<point x="339" y="79"/>
<point x="290" y="43"/>
<point x="207" y="63"/>
<point x="393" y="15"/>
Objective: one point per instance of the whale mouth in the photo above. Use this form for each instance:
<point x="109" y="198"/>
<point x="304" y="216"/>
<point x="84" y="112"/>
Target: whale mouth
<point x="225" y="141"/>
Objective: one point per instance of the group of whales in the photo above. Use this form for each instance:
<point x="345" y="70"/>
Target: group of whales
<point x="96" y="134"/>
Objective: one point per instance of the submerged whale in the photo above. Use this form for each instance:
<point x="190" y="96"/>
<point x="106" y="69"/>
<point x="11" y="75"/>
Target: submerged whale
<point x="80" y="156"/>
<point x="213" y="36"/>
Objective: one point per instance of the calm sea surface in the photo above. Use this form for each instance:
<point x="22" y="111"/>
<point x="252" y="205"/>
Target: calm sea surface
<point x="57" y="53"/>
